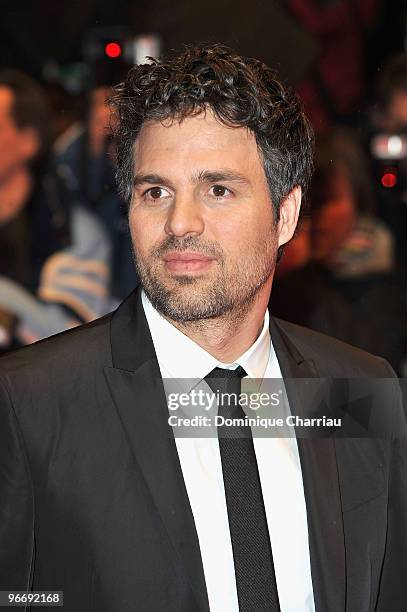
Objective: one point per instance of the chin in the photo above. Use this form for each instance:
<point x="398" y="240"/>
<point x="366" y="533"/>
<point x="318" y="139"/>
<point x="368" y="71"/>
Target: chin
<point x="185" y="279"/>
<point x="175" y="282"/>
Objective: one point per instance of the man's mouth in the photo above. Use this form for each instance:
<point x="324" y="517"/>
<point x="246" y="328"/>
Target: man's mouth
<point x="186" y="262"/>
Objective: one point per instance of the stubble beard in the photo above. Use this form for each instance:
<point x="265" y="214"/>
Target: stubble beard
<point x="227" y="294"/>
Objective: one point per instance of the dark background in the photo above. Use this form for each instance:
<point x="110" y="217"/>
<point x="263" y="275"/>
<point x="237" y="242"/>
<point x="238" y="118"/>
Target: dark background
<point x="33" y="32"/>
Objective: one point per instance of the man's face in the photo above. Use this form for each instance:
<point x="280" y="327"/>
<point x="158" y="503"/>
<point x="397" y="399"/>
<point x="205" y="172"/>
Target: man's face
<point x="16" y="146"/>
<point x="201" y="218"/>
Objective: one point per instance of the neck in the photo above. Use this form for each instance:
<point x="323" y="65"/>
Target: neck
<point x="14" y="192"/>
<point x="228" y="337"/>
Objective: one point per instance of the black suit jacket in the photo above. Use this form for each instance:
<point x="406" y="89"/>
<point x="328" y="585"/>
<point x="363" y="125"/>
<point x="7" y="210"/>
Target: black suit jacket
<point x="92" y="498"/>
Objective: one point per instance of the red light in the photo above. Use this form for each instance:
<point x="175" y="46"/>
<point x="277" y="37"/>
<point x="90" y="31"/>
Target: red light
<point x="389" y="179"/>
<point x="113" y="50"/>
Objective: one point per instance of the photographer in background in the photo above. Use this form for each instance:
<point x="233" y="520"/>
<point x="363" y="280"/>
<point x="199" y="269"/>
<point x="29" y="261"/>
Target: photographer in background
<point x="54" y="256"/>
<point x="356" y="248"/>
<point x="34" y="221"/>
<point x="343" y="260"/>
<point x="84" y="157"/>
<point x="388" y="147"/>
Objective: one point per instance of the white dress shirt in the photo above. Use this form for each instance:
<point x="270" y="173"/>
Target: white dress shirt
<point x="279" y="468"/>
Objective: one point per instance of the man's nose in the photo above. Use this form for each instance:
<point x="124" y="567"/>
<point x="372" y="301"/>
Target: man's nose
<point x="184" y="217"/>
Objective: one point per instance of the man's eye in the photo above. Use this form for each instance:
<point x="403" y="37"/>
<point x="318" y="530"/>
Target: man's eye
<point x="219" y="191"/>
<point x="156" y="193"/>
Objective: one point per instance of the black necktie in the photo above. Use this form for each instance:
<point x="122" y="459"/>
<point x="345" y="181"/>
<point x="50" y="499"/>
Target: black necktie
<point x="254" y="568"/>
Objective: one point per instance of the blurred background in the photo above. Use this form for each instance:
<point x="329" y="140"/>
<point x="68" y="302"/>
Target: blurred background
<point x="65" y="251"/>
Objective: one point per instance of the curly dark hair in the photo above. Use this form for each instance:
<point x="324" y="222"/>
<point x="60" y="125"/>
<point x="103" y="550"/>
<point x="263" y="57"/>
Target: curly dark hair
<point x="242" y="92"/>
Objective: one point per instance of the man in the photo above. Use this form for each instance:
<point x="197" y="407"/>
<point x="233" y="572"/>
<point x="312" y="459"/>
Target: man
<point x="49" y="247"/>
<point x="31" y="227"/>
<point x="390" y="111"/>
<point x="84" y="156"/>
<point x="99" y="496"/>
<point x="388" y="118"/>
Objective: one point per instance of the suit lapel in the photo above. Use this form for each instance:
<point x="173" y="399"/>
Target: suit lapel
<point x="321" y="483"/>
<point x="138" y="394"/>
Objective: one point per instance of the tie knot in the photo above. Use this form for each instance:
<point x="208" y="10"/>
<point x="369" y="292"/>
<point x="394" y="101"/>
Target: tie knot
<point x="225" y="373"/>
<point x="224" y="380"/>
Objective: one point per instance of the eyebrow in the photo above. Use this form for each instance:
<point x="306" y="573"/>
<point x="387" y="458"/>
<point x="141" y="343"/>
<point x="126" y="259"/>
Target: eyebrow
<point x="151" y="179"/>
<point x="208" y="176"/>
<point x="204" y="176"/>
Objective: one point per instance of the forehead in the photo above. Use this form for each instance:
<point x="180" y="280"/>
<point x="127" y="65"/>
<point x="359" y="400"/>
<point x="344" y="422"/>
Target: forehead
<point x="194" y="141"/>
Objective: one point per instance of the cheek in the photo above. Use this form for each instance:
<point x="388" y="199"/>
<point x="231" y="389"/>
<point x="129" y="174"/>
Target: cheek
<point x="138" y="236"/>
<point x="147" y="230"/>
<point x="250" y="230"/>
<point x="228" y="234"/>
<point x="260" y="228"/>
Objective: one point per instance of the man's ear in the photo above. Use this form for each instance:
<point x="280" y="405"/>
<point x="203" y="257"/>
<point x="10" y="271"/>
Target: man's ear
<point x="289" y="212"/>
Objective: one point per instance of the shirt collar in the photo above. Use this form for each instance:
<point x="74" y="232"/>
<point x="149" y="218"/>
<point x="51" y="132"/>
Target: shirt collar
<point x="180" y="357"/>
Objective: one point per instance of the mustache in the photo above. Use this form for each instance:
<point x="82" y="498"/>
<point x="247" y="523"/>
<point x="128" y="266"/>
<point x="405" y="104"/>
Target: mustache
<point x="172" y="243"/>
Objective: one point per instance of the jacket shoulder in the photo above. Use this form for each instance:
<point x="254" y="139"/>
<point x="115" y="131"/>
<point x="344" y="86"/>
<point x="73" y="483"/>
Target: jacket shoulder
<point x="333" y="357"/>
<point x="74" y="349"/>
